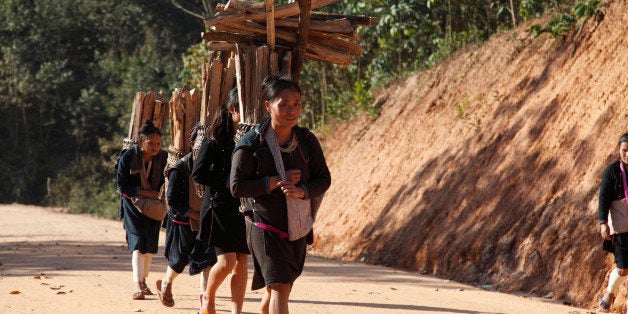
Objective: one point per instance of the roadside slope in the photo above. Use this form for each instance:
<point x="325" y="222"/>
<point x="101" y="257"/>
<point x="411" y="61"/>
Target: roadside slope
<point x="486" y="167"/>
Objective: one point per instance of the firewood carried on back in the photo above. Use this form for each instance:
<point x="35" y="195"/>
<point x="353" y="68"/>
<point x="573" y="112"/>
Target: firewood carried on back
<point x="150" y="106"/>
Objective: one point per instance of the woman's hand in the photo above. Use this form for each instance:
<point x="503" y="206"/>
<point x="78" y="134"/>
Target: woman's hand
<point x="291" y="190"/>
<point x="293" y="175"/>
<point x="605" y="231"/>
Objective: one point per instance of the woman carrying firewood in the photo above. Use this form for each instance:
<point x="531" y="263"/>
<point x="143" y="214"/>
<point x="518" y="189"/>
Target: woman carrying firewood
<point x="278" y="167"/>
<point x="613" y="218"/>
<point x="139" y="179"/>
<point x="222" y="222"/>
<point x="182" y="225"/>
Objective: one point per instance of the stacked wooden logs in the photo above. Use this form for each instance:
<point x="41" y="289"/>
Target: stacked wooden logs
<point x="185" y="108"/>
<point x="268" y="39"/>
<point x="330" y="37"/>
<point x="218" y="80"/>
<point x="150" y="106"/>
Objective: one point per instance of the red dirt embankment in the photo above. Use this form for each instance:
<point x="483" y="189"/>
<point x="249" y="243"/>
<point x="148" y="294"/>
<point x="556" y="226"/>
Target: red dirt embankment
<point x="486" y="168"/>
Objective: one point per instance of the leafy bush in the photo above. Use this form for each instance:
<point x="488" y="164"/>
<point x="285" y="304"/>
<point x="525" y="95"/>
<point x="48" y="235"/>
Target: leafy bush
<point x="87" y="186"/>
<point x="562" y="24"/>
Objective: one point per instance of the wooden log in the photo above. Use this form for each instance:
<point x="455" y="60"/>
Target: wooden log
<point x="136" y="116"/>
<point x="220" y="46"/>
<point x="164" y="115"/>
<point x="336" y="43"/>
<point x="245" y="73"/>
<point x="270" y="23"/>
<point x="239" y="5"/>
<point x="215" y="85"/>
<point x="148" y="105"/>
<point x="325" y="54"/>
<point x="250" y="84"/>
<point x="197" y="96"/>
<point x="189" y="120"/>
<point x="261" y="72"/>
<point x="283" y="10"/>
<point x="233" y="38"/>
<point x="286" y="63"/>
<point x="178" y="118"/>
<point x="205" y="90"/>
<point x="273" y="63"/>
<point x="342" y="27"/>
<point x="228" y="79"/>
<point x="157" y="114"/>
<point x="255" y="29"/>
<point x="305" y="8"/>
<point x="355" y="20"/>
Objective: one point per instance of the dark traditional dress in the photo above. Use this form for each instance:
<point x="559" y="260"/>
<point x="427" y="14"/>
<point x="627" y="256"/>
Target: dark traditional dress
<point x="276" y="259"/>
<point x="142" y="233"/>
<point x="222" y="223"/>
<point x="181" y="246"/>
<point x="613" y="209"/>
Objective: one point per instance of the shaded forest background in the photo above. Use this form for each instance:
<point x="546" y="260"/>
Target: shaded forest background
<point x="69" y="71"/>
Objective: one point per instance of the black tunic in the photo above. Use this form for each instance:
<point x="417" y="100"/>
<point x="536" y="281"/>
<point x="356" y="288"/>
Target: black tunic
<point x="276" y="260"/>
<point x="142" y="233"/>
<point x="221" y="221"/>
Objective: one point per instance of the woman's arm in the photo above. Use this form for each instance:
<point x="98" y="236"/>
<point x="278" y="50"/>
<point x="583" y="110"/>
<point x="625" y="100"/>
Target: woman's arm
<point x="243" y="176"/>
<point x="607" y="195"/>
<point x="208" y="168"/>
<point x="123" y="176"/>
<point x="320" y="178"/>
<point x="175" y="195"/>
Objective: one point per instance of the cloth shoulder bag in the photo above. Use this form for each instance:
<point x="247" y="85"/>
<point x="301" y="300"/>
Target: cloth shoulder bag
<point x="155" y="209"/>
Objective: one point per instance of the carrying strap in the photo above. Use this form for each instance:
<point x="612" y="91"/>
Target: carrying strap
<point x="623" y="179"/>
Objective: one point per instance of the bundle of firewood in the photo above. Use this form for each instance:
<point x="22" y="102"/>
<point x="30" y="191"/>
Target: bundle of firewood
<point x="218" y="80"/>
<point x="325" y="37"/>
<point x="150" y="106"/>
<point x="185" y="108"/>
<point x="268" y="39"/>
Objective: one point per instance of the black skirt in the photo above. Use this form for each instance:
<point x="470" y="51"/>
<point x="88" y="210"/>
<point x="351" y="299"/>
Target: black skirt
<point x="275" y="260"/>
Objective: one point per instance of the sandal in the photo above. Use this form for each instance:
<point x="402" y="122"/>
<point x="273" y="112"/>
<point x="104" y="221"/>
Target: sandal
<point x="145" y="289"/>
<point x="138" y="296"/>
<point x="605" y="306"/>
<point x="165" y="296"/>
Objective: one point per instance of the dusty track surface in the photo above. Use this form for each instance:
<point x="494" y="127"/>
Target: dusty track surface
<point x="62" y="263"/>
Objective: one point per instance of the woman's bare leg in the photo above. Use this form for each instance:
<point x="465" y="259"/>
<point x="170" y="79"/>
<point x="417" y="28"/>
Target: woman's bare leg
<point x="279" y="295"/>
<point x="238" y="282"/>
<point x="217" y="275"/>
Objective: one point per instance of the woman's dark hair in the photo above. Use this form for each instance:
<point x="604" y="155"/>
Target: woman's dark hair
<point x="147" y="129"/>
<point x="623" y="138"/>
<point x="273" y="85"/>
<point x="221" y="128"/>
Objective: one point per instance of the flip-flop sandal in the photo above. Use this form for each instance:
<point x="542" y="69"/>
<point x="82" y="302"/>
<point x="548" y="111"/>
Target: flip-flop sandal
<point x="138" y="296"/>
<point x="166" y="300"/>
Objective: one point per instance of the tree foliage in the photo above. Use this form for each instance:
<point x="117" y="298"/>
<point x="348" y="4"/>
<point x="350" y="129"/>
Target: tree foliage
<point x="68" y="74"/>
<point x="69" y="71"/>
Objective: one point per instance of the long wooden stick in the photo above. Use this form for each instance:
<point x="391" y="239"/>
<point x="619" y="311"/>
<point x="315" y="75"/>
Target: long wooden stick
<point x="270" y="23"/>
<point x="356" y="20"/>
<point x="305" y="8"/>
<point x="233" y="38"/>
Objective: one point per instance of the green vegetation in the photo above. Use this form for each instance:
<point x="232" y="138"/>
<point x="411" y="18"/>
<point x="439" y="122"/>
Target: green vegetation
<point x="69" y="71"/>
<point x="564" y="22"/>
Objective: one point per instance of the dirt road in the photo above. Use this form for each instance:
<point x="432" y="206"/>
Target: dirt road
<point x="59" y="263"/>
